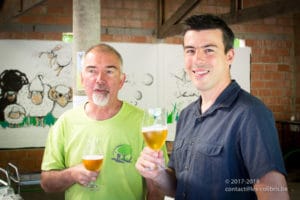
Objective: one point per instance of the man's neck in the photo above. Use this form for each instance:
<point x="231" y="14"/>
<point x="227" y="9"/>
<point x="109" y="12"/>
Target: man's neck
<point x="209" y="97"/>
<point x="102" y="112"/>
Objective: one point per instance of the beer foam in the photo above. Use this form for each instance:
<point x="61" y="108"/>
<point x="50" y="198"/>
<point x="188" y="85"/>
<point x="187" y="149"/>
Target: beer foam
<point x="93" y="157"/>
<point x="154" y="128"/>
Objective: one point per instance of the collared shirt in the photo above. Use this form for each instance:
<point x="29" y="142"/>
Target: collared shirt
<point x="221" y="153"/>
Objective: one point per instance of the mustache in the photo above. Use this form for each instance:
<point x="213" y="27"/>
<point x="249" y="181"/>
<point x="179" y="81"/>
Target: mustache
<point x="101" y="87"/>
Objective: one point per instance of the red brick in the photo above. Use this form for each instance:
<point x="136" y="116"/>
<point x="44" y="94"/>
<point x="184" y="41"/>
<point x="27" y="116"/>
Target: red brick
<point x="257" y="84"/>
<point x="285" y="68"/>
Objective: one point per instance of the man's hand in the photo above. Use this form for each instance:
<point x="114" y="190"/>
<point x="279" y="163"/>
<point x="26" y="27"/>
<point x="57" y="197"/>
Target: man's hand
<point x="150" y="163"/>
<point x="83" y="176"/>
<point x="60" y="180"/>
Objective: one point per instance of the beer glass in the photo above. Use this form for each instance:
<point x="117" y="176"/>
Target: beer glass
<point x="154" y="128"/>
<point x="92" y="159"/>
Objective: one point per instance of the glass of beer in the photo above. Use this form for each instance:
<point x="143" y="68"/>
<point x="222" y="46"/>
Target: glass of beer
<point x="154" y="128"/>
<point x="92" y="159"/>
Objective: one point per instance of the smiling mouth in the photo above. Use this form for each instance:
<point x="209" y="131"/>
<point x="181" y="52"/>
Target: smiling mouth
<point x="200" y="72"/>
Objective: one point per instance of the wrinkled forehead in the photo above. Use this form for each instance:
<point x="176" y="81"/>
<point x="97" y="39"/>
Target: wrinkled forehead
<point x="99" y="56"/>
<point x="104" y="49"/>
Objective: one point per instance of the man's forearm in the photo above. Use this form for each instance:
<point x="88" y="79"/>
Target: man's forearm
<point x="272" y="186"/>
<point x="153" y="192"/>
<point x="56" y="181"/>
<point x="166" y="182"/>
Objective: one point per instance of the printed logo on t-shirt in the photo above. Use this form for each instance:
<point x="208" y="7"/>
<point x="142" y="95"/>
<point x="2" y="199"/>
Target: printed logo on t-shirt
<point x="122" y="153"/>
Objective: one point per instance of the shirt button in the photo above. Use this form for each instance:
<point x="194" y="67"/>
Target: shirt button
<point x="186" y="168"/>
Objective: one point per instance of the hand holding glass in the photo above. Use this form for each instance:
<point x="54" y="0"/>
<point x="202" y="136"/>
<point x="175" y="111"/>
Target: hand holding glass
<point x="92" y="159"/>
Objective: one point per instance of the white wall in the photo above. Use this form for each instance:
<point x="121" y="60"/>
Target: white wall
<point x="155" y="77"/>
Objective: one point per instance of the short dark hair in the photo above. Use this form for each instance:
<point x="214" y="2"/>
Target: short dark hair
<point x="209" y="21"/>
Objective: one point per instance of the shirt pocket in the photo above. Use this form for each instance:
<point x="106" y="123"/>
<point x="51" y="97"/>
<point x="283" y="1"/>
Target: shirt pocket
<point x="208" y="149"/>
<point x="207" y="161"/>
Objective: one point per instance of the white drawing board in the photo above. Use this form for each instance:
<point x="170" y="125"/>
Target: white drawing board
<point x="155" y="77"/>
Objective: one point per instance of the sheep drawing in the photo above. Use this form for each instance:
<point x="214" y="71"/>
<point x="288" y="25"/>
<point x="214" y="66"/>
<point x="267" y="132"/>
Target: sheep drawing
<point x="34" y="98"/>
<point x="11" y="81"/>
<point x="61" y="95"/>
<point x="14" y="114"/>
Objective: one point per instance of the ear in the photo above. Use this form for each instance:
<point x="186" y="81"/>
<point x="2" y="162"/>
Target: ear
<point x="70" y="94"/>
<point x="230" y="56"/>
<point x="123" y="78"/>
<point x="81" y="78"/>
<point x="52" y="94"/>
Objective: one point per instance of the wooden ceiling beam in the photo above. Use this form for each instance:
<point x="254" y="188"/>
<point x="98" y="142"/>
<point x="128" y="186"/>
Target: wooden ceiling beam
<point x="236" y="15"/>
<point x="16" y="11"/>
<point x="235" y="5"/>
<point x="164" y="28"/>
<point x="262" y="11"/>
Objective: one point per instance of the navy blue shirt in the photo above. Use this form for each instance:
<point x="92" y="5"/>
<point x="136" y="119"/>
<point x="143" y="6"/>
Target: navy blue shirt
<point x="221" y="153"/>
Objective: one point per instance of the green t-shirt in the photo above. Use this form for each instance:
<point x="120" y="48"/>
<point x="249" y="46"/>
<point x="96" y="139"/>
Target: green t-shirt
<point x="122" y="141"/>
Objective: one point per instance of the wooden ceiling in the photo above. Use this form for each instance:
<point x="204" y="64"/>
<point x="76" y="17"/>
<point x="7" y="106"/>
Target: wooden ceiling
<point x="172" y="26"/>
<point x="10" y="9"/>
<point x="237" y="14"/>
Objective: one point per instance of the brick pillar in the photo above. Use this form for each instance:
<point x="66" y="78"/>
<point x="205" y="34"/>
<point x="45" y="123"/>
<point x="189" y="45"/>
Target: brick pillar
<point x="297" y="66"/>
<point x="86" y="31"/>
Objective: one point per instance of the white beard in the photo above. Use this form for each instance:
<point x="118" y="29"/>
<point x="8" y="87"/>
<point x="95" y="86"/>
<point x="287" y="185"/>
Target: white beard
<point x="100" y="100"/>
